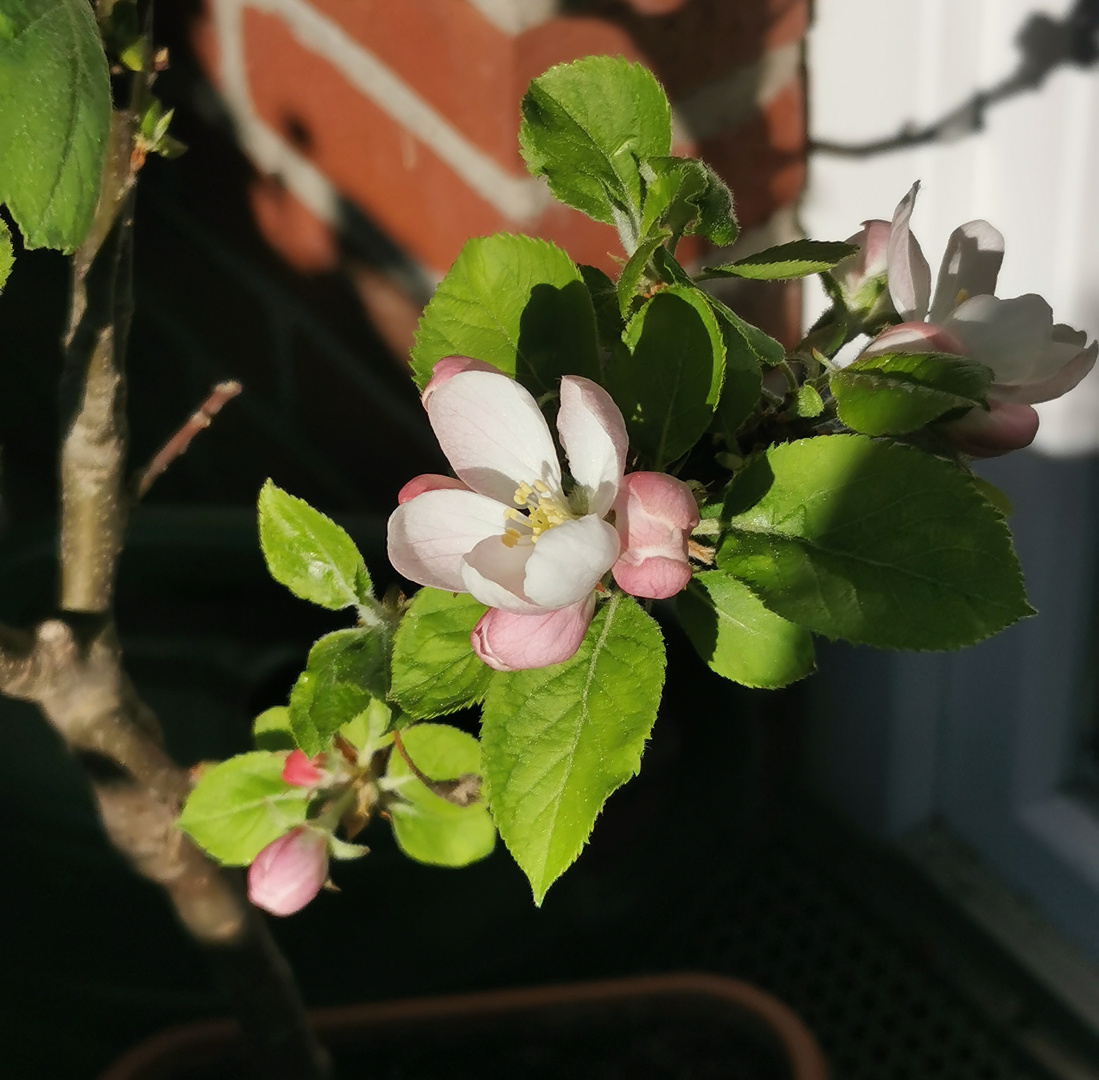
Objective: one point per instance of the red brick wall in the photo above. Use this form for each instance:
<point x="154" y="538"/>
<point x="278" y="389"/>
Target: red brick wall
<point x="409" y="109"/>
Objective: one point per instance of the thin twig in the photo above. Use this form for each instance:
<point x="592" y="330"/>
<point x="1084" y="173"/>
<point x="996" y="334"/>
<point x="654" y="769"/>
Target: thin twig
<point x="177" y="445"/>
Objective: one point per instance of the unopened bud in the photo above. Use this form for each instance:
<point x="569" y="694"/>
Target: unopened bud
<point x="289" y="872"/>
<point x="301" y="771"/>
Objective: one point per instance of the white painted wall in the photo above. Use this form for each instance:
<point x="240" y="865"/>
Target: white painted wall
<point x="875" y="65"/>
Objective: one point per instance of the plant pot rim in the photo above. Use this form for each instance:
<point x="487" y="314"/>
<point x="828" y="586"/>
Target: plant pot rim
<point x="206" y="1039"/>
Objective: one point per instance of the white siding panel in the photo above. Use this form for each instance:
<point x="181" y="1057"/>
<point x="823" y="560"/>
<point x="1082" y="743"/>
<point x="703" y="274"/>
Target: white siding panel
<point x="876" y="65"/>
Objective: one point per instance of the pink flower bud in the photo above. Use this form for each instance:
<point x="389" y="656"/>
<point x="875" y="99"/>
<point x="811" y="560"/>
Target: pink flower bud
<point x="300" y="771"/>
<point x="654" y="514"/>
<point x="289" y="872"/>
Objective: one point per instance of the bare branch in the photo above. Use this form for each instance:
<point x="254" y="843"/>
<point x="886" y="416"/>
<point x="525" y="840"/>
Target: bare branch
<point x="177" y="445"/>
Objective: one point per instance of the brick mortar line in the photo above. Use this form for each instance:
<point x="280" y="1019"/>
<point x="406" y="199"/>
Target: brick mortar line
<point x="726" y="103"/>
<point x="516" y="198"/>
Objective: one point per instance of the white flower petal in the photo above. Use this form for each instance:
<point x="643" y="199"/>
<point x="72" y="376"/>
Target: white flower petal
<point x="970" y="266"/>
<point x="569" y="560"/>
<point x="493" y="434"/>
<point x="909" y="272"/>
<point x="1008" y="336"/>
<point x="1065" y="378"/>
<point x="493" y="573"/>
<point x="593" y="435"/>
<point x="428" y="535"/>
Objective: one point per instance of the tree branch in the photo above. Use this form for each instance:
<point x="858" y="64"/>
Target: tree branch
<point x="71" y="666"/>
<point x="177" y="445"/>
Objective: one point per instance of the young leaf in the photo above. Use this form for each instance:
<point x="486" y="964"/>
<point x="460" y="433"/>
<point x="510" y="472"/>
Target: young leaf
<point x="435" y="671"/>
<point x="240" y="806"/>
<point x="517" y="303"/>
<point x="686" y="196"/>
<point x="428" y="828"/>
<point x="668" y="383"/>
<point x="874" y="542"/>
<point x="797" y="259"/>
<point x="345" y="672"/>
<point x="271" y="730"/>
<point x="807" y="402"/>
<point x="585" y="127"/>
<point x="55" y="114"/>
<point x="309" y="553"/>
<point x="899" y="392"/>
<point x="7" y="255"/>
<point x="633" y="273"/>
<point x="738" y="637"/>
<point x="555" y="742"/>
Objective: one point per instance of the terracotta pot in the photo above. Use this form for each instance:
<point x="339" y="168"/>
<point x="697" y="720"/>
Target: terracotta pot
<point x="652" y="1026"/>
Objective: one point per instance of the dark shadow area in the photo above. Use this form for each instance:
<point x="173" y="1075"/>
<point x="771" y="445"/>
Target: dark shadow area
<point x="1044" y="44"/>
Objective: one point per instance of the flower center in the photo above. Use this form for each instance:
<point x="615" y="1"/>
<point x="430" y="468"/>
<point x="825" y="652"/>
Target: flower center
<point x="543" y="510"/>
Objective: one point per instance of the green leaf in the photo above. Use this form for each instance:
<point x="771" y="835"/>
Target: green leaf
<point x="738" y="637"/>
<point x="633" y="273"/>
<point x="428" y="828"/>
<point x="55" y="116"/>
<point x="435" y="670"/>
<point x="309" y="553"/>
<point x="899" y="392"/>
<point x="7" y="255"/>
<point x="586" y="126"/>
<point x="556" y="741"/>
<point x="874" y="542"/>
<point x="604" y="297"/>
<point x="667" y="381"/>
<point x="346" y="671"/>
<point x="517" y="303"/>
<point x="747" y="351"/>
<point x="271" y="730"/>
<point x="807" y="402"/>
<point x="689" y="198"/>
<point x="239" y="807"/>
<point x="797" y="259"/>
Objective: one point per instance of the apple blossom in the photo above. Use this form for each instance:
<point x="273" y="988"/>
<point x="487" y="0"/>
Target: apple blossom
<point x="289" y="872"/>
<point x="506" y="532"/>
<point x="1032" y="358"/>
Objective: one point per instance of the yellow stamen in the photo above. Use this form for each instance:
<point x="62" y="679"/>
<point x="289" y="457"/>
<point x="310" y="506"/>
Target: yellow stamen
<point x="511" y="537"/>
<point x="963" y="295"/>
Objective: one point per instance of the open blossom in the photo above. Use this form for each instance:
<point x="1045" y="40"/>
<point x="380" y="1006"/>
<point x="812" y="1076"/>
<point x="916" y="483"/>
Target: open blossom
<point x="289" y="872"/>
<point x="1032" y="358"/>
<point x="506" y="532"/>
